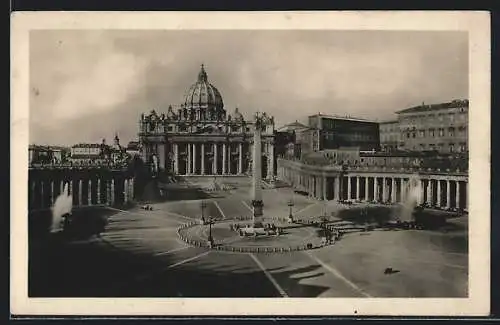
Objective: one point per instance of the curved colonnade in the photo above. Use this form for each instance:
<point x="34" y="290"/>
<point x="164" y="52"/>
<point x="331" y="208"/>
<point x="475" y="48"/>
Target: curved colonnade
<point x="88" y="186"/>
<point x="439" y="189"/>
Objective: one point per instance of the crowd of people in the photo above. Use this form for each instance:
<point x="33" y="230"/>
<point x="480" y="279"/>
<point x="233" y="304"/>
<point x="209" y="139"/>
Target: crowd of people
<point x="269" y="229"/>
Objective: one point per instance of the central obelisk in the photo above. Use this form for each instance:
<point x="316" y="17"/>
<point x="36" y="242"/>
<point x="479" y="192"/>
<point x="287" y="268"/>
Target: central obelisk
<point x="257" y="203"/>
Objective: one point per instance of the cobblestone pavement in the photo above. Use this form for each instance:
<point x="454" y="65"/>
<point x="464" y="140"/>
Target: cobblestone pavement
<point x="140" y="255"/>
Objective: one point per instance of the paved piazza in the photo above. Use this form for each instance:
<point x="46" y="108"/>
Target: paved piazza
<point x="141" y="255"/>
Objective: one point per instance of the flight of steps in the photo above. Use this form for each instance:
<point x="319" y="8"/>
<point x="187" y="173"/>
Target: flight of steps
<point x="346" y="226"/>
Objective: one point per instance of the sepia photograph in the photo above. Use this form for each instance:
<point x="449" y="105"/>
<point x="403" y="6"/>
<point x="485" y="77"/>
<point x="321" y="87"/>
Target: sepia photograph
<point x="171" y="164"/>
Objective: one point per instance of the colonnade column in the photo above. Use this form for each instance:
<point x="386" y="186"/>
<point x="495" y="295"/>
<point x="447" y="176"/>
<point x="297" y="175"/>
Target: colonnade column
<point x="375" y="189"/>
<point x="438" y="192"/>
<point x="429" y="192"/>
<point x="52" y="198"/>
<point x="112" y="192"/>
<point x="384" y="185"/>
<point x="80" y="192"/>
<point x="323" y="180"/>
<point x="348" y="187"/>
<point x="358" y="190"/>
<point x="457" y="195"/>
<point x="336" y="191"/>
<point x="132" y="189"/>
<point x="176" y="158"/>
<point x="224" y="159"/>
<point x="367" y="189"/>
<point x="203" y="159"/>
<point x="448" y="194"/>
<point x="125" y="190"/>
<point x="61" y="185"/>
<point x="194" y="159"/>
<point x="89" y="192"/>
<point x="98" y="191"/>
<point x="467" y="195"/>
<point x="240" y="158"/>
<point x="190" y="163"/>
<point x="214" y="165"/>
<point x="393" y="191"/>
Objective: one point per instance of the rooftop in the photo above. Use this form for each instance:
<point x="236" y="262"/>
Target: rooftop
<point x="292" y="126"/>
<point x="389" y="122"/>
<point x="87" y="145"/>
<point x="434" y="107"/>
<point x="339" y="117"/>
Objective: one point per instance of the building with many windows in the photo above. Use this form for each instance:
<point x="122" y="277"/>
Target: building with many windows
<point x="389" y="135"/>
<point x="201" y="138"/>
<point x="333" y="132"/>
<point x="438" y="127"/>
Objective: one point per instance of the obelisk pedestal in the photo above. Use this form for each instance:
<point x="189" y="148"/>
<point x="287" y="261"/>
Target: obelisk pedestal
<point x="257" y="203"/>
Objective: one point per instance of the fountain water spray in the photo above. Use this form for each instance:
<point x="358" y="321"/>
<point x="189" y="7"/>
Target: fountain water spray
<point x="62" y="205"/>
<point x="412" y="199"/>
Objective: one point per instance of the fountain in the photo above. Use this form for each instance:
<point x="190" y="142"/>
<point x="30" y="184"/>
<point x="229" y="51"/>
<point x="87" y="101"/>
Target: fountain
<point x="62" y="206"/>
<point x="412" y="200"/>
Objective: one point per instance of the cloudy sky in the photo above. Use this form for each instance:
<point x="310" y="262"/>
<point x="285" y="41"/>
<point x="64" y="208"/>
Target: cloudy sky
<point x="85" y="85"/>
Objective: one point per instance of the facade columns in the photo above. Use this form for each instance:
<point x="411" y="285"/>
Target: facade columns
<point x="466" y="205"/>
<point x="224" y="159"/>
<point x="131" y="183"/>
<point x="190" y="160"/>
<point x="203" y="159"/>
<point x="125" y="190"/>
<point x="240" y="158"/>
<point x="61" y="186"/>
<point x="323" y="181"/>
<point x="358" y="189"/>
<point x="336" y="188"/>
<point x="161" y="154"/>
<point x="439" y="193"/>
<point x="348" y="187"/>
<point x="80" y="192"/>
<point x="457" y="194"/>
<point x="89" y="192"/>
<point x="215" y="167"/>
<point x="367" y="189"/>
<point x="194" y="159"/>
<point x="429" y="192"/>
<point x="384" y="185"/>
<point x="393" y="191"/>
<point x="98" y="191"/>
<point x="448" y="194"/>
<point x="402" y="189"/>
<point x="112" y="192"/>
<point x="375" y="189"/>
<point x="176" y="158"/>
<point x="52" y="198"/>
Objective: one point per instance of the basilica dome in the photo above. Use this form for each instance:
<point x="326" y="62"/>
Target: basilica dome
<point x="203" y="100"/>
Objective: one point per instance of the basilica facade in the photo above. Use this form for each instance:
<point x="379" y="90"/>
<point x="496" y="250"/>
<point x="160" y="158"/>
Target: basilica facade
<point x="200" y="137"/>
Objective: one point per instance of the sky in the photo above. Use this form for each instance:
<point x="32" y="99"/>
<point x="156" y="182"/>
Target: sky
<point x="87" y="85"/>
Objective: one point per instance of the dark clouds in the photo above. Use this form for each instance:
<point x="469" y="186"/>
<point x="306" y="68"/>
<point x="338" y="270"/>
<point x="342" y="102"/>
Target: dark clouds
<point x="88" y="84"/>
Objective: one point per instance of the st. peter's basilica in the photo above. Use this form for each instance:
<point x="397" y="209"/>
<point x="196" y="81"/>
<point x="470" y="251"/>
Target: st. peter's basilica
<point x="199" y="137"/>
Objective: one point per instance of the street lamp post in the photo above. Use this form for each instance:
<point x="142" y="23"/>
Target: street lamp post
<point x="203" y="205"/>
<point x="210" y="222"/>
<point x="290" y="205"/>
